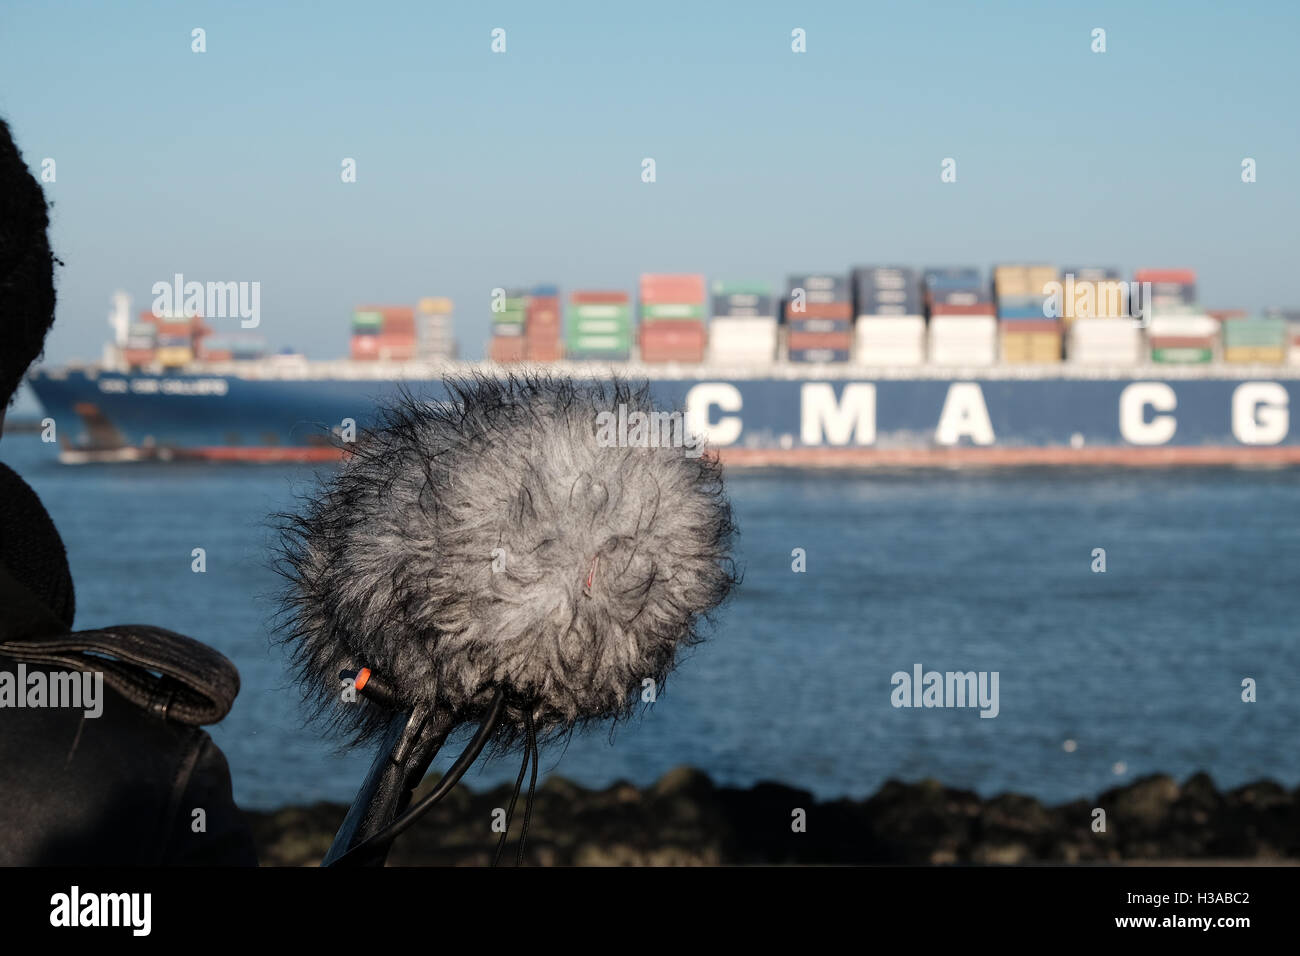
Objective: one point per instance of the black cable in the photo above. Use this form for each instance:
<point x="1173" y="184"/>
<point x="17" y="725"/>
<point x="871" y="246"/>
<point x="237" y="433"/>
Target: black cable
<point x="532" y="789"/>
<point x="440" y="789"/>
<point x="510" y="813"/>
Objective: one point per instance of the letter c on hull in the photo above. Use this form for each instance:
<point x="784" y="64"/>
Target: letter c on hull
<point x="1133" y="402"/>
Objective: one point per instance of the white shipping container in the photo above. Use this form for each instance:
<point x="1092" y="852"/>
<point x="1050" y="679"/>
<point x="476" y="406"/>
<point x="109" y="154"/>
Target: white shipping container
<point x="889" y="340"/>
<point x="975" y="329"/>
<point x="880" y="327"/>
<point x="890" y="356"/>
<point x="948" y="354"/>
<point x="963" y="340"/>
<point x="1183" y="326"/>
<point x="742" y="339"/>
<point x="1104" y="342"/>
<point x="741" y="359"/>
<point x="742" y="325"/>
<point x="1107" y="355"/>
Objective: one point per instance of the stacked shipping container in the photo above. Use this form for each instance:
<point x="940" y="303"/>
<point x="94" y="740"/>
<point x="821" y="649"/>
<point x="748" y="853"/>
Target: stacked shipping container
<point x="1029" y="334"/>
<point x="1292" y="319"/>
<point x="744" y="327"/>
<point x="1178" y="330"/>
<point x="509" y="313"/>
<point x="436" y="339"/>
<point x="141" y="341"/>
<point x="383" y="332"/>
<point x="543" y="327"/>
<point x="878" y="319"/>
<point x="818" y="318"/>
<point x="890" y="323"/>
<point x="1096" y="314"/>
<point x="672" y="318"/>
<point x="1255" y="340"/>
<point x="174" y="340"/>
<point x="599" y="325"/>
<point x="963" y="328"/>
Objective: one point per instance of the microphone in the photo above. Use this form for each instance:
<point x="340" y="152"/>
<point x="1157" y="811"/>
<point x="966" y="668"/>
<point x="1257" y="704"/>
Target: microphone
<point x="524" y="555"/>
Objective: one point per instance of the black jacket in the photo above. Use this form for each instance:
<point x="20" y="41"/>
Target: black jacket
<point x="122" y="787"/>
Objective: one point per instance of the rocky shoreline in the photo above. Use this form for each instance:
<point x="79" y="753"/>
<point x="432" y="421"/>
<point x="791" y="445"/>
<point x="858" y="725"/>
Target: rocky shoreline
<point x="684" y="819"/>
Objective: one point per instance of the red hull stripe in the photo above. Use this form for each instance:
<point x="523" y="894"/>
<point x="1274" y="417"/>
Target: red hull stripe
<point x="1123" y="456"/>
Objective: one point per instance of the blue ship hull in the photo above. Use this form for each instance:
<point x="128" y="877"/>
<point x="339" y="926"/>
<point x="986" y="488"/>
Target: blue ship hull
<point x="100" y="414"/>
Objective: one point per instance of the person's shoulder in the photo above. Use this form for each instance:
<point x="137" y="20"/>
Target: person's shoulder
<point x="103" y="732"/>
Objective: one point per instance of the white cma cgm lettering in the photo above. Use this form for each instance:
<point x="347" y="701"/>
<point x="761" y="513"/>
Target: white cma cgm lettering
<point x="1260" y="413"/>
<point x="1133" y="402"/>
<point x="699" y="402"/>
<point x="964" y="415"/>
<point x="853" y="417"/>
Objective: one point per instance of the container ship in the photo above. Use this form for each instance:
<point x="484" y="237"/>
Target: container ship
<point x="880" y="365"/>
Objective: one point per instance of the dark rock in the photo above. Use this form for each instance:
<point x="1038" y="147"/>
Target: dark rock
<point x="684" y="819"/>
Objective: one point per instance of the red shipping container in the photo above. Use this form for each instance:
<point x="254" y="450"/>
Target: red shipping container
<point x="672" y="338"/>
<point x="821" y="340"/>
<point x="178" y="329"/>
<point x="390" y="312"/>
<point x="1183" y="276"/>
<point x="982" y="308"/>
<point x="659" y="289"/>
<point x="138" y="356"/>
<point x="365" y="346"/>
<point x="544" y="351"/>
<point x="1182" y="341"/>
<point x="820" y="310"/>
<point x="216" y="355"/>
<point x="1029" y="325"/>
<point x="1222" y="314"/>
<point x="672" y="325"/>
<point x="503" y="349"/>
<point x="660" y="354"/>
<point x="543" y="320"/>
<point x="596" y="297"/>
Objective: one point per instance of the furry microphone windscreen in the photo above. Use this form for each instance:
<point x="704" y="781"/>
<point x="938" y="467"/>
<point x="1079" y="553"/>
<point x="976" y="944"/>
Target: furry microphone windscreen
<point x="503" y="539"/>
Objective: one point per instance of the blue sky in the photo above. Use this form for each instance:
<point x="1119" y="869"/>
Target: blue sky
<point x="478" y="169"/>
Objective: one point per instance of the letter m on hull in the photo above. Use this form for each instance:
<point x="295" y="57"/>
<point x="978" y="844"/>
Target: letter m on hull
<point x="823" y="419"/>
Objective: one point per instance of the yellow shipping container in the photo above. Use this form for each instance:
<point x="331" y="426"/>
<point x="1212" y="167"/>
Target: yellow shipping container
<point x="1011" y="281"/>
<point x="1031" y="347"/>
<point x="1255" y="354"/>
<point x="1097" y="300"/>
<point x="174" y="355"/>
<point x="436" y="305"/>
<point x="1039" y="276"/>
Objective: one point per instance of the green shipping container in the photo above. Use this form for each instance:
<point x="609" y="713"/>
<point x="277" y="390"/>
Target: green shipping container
<point x="1267" y="333"/>
<point x="742" y="287"/>
<point x="672" y="311"/>
<point x="600" y="327"/>
<point x="599" y="311"/>
<point x="599" y="343"/>
<point x="1181" y="356"/>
